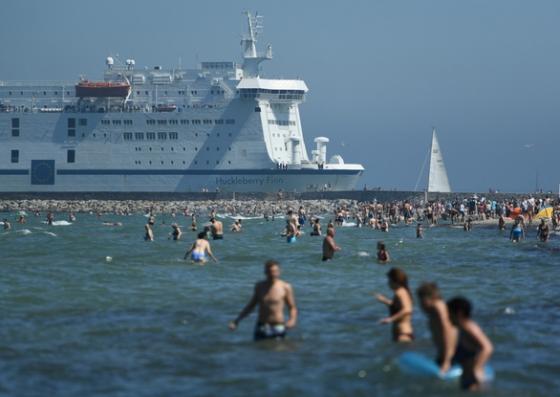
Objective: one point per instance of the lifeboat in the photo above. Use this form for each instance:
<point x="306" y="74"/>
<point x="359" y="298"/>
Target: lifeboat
<point x="170" y="107"/>
<point x="102" y="89"/>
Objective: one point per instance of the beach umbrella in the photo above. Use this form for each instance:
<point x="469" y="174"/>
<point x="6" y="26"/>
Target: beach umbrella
<point x="545" y="213"/>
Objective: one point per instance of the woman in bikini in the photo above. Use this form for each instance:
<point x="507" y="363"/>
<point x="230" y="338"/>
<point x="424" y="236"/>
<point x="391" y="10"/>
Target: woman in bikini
<point x="400" y="307"/>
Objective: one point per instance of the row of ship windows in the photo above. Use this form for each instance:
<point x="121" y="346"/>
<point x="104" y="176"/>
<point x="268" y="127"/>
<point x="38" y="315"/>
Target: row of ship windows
<point x="152" y="136"/>
<point x="193" y="122"/>
<point x="281" y="122"/>
<point x="182" y="92"/>
<point x="139" y="162"/>
<point x="70" y="156"/>
<point x="139" y="149"/>
<point x="37" y="92"/>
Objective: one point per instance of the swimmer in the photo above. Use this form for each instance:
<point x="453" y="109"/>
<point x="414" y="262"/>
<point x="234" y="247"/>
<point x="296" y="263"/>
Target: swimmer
<point x="236" y="227"/>
<point x="419" y="231"/>
<point x="193" y="222"/>
<point x="382" y="253"/>
<point x="444" y="335"/>
<point x="50" y="218"/>
<point x="71" y="217"/>
<point x="200" y="249"/>
<point x="291" y="232"/>
<point x="216" y="229"/>
<point x="543" y="231"/>
<point x="176" y="232"/>
<point x="271" y="295"/>
<point x="467" y="226"/>
<point x="21" y="219"/>
<point x="473" y="347"/>
<point x="384" y="227"/>
<point x="112" y="224"/>
<point x="302" y="217"/>
<point x="7" y="225"/>
<point x="149" y="236"/>
<point x="517" y="233"/>
<point x="400" y="307"/>
<point x="316" y="228"/>
<point x="329" y="245"/>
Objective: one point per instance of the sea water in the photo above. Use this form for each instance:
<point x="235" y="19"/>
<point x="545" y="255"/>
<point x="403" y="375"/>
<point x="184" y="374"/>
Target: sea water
<point x="88" y="309"/>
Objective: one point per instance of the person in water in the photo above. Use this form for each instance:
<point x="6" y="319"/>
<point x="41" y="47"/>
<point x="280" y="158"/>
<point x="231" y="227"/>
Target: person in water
<point x="193" y="222"/>
<point x="501" y="223"/>
<point x="517" y="233"/>
<point x="473" y="347"/>
<point x="316" y="228"/>
<point x="176" y="232"/>
<point x="236" y="227"/>
<point x="384" y="227"/>
<point x="419" y="230"/>
<point x="400" y="307"/>
<point x="329" y="245"/>
<point x="543" y="231"/>
<point x="467" y="226"/>
<point x="50" y="218"/>
<point x="216" y="229"/>
<point x="200" y="250"/>
<point x="444" y="335"/>
<point x="7" y="225"/>
<point x="382" y="253"/>
<point x="291" y="232"/>
<point x="271" y="295"/>
<point x="149" y="232"/>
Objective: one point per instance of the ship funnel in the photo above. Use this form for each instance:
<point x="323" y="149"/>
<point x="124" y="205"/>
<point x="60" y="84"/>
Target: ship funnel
<point x="109" y="62"/>
<point x="321" y="150"/>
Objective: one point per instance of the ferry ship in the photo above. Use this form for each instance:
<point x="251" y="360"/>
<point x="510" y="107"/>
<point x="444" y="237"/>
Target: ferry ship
<point x="219" y="127"/>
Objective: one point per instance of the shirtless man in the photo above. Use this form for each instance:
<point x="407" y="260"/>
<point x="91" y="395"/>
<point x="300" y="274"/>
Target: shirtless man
<point x="176" y="232"/>
<point x="236" y="227"/>
<point x="7" y="225"/>
<point x="200" y="249"/>
<point x="149" y="236"/>
<point x="216" y="229"/>
<point x="271" y="295"/>
<point x="444" y="335"/>
<point x="329" y="245"/>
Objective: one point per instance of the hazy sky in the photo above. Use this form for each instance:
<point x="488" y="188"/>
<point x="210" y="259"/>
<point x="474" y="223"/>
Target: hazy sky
<point x="485" y="73"/>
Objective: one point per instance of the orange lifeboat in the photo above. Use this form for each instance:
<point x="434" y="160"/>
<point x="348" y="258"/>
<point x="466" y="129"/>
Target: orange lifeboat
<point x="102" y="89"/>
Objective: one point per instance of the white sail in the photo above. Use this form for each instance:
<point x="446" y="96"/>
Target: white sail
<point x="437" y="180"/>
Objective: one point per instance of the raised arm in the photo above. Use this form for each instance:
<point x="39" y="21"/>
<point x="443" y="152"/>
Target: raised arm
<point x="246" y="310"/>
<point x="291" y="303"/>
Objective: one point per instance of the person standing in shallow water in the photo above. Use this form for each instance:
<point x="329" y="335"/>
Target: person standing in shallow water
<point x="329" y="245"/>
<point x="271" y="295"/>
<point x="419" y="231"/>
<point x="383" y="256"/>
<point x="400" y="307"/>
<point x="200" y="250"/>
<point x="149" y="232"/>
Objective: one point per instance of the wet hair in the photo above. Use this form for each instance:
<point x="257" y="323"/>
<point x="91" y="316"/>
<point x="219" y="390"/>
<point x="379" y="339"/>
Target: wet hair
<point x="269" y="264"/>
<point x="202" y="235"/>
<point x="380" y="245"/>
<point x="212" y="219"/>
<point x="428" y="290"/>
<point x="399" y="277"/>
<point x="458" y="305"/>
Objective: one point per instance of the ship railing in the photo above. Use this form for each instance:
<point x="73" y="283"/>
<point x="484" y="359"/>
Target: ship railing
<point x="22" y="83"/>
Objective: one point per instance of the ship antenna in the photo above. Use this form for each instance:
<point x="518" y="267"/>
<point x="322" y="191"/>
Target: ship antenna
<point x="251" y="59"/>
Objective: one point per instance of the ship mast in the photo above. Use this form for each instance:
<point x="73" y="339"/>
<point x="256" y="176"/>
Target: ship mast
<point x="251" y="59"/>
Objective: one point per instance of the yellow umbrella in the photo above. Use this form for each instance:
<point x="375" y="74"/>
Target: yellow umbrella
<point x="545" y="213"/>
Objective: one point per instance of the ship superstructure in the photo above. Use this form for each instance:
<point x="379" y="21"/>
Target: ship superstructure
<point x="221" y="126"/>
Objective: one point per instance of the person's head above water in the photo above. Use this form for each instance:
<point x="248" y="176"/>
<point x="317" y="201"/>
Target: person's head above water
<point x="380" y="245"/>
<point x="459" y="309"/>
<point x="202" y="235"/>
<point x="330" y="231"/>
<point x="397" y="278"/>
<point x="212" y="220"/>
<point x="427" y="294"/>
<point x="272" y="270"/>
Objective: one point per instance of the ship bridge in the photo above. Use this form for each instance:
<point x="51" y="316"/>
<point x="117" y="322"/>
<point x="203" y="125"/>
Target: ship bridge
<point x="277" y="90"/>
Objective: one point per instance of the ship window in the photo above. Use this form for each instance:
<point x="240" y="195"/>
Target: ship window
<point x="137" y="92"/>
<point x="194" y="92"/>
<point x="229" y="134"/>
<point x="150" y="136"/>
<point x="139" y="136"/>
<point x="9" y="92"/>
<point x="184" y="149"/>
<point x="172" y="162"/>
<point x="71" y="132"/>
<point x="219" y="121"/>
<point x="116" y="122"/>
<point x="183" y="161"/>
<point x="146" y="92"/>
<point x="44" y="93"/>
<point x="105" y="122"/>
<point x="162" y="135"/>
<point x="257" y="109"/>
<point x="127" y="136"/>
<point x="196" y="121"/>
<point x="162" y="162"/>
<point x="196" y="134"/>
<point x="230" y="121"/>
<point x="229" y="162"/>
<point x="196" y="149"/>
<point x="195" y="162"/>
<point x="83" y="122"/>
<point x="217" y="149"/>
<point x="56" y="93"/>
<point x="174" y="122"/>
<point x="71" y="123"/>
<point x="67" y="92"/>
<point x="150" y="162"/>
<point x="15" y="156"/>
<point x="183" y="122"/>
<point x="127" y="122"/>
<point x="173" y="135"/>
<point x="162" y="122"/>
<point x="21" y="92"/>
<point x="162" y="148"/>
<point x="150" y="122"/>
<point x="206" y="121"/>
<point x="207" y="161"/>
<point x="207" y="148"/>
<point x="150" y="151"/>
<point x="71" y="156"/>
<point x="172" y="149"/>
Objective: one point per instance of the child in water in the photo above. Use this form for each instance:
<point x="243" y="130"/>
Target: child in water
<point x="382" y="253"/>
<point x="400" y="307"/>
<point x="473" y="347"/>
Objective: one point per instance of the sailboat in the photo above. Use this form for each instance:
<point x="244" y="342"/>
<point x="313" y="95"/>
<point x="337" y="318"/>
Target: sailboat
<point x="437" y="179"/>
